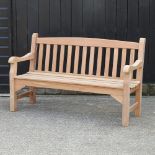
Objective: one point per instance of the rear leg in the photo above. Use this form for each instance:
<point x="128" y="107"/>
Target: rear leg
<point x="32" y="95"/>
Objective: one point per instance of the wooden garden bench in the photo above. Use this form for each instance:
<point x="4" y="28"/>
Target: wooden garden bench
<point x="82" y="64"/>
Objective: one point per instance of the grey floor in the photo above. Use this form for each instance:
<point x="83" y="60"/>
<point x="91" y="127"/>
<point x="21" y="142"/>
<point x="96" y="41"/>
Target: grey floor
<point x="75" y="125"/>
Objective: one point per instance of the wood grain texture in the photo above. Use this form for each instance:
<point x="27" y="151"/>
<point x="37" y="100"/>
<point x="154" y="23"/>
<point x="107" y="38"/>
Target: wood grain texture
<point x="40" y="57"/>
<point x="107" y="61"/>
<point x="88" y="42"/>
<point x="115" y="62"/>
<point x="76" y="59"/>
<point x="123" y="60"/>
<point x="91" y="60"/>
<point x="69" y="55"/>
<point x="122" y="20"/>
<point x="54" y="58"/>
<point x="83" y="66"/>
<point x="61" y="63"/>
<point x="99" y="62"/>
<point x="118" y="87"/>
<point x="47" y="59"/>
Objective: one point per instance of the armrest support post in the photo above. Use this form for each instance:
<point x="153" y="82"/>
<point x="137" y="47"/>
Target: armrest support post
<point x="127" y="78"/>
<point x="13" y="70"/>
<point x="126" y="98"/>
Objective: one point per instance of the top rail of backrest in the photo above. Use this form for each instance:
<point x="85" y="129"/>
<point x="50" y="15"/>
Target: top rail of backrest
<point x="77" y="41"/>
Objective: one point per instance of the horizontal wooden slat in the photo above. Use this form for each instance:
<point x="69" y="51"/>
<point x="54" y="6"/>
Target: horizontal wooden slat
<point x="66" y="86"/>
<point x="83" y="80"/>
<point x="88" y="42"/>
<point x="133" y="107"/>
<point x="24" y="94"/>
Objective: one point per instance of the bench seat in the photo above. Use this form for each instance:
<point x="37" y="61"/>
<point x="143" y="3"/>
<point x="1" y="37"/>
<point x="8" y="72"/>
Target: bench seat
<point x="75" y="79"/>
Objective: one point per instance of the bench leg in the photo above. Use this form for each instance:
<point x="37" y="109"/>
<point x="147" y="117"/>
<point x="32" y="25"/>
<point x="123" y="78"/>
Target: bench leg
<point x="32" y="95"/>
<point x="138" y="97"/>
<point x="13" y="97"/>
<point x="126" y="110"/>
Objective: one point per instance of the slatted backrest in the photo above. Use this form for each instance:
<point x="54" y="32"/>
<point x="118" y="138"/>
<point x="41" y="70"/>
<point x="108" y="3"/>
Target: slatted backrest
<point x="87" y="56"/>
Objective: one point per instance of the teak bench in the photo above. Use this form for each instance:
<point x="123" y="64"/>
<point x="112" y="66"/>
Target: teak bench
<point x="82" y="64"/>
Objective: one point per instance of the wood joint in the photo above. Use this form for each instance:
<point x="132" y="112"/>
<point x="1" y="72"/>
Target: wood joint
<point x="133" y="107"/>
<point x="118" y="98"/>
<point x="24" y="94"/>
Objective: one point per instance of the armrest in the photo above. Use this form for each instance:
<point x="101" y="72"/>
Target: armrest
<point x="130" y="68"/>
<point x="26" y="57"/>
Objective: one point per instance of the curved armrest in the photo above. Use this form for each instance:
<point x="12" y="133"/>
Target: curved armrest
<point x="26" y="57"/>
<point x="130" y="68"/>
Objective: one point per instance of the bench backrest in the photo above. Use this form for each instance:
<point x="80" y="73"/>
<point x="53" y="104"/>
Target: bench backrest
<point x="86" y="56"/>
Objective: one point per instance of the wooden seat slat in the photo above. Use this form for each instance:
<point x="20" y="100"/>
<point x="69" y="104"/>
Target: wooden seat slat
<point x="70" y="75"/>
<point x="75" y="80"/>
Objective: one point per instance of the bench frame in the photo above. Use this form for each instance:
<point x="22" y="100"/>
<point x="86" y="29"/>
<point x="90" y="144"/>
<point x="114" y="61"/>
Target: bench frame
<point x="121" y="95"/>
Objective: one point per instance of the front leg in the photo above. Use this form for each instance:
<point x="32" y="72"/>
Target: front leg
<point x="126" y="108"/>
<point x="126" y="100"/>
<point x="13" y="95"/>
